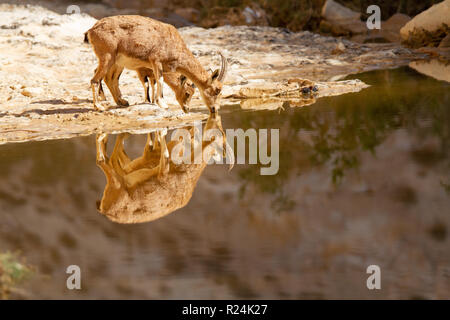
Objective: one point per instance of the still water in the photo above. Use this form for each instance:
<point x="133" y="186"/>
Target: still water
<point x="364" y="179"/>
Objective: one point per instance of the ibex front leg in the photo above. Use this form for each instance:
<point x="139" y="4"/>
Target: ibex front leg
<point x="164" y="158"/>
<point x="158" y="72"/>
<point x="145" y="83"/>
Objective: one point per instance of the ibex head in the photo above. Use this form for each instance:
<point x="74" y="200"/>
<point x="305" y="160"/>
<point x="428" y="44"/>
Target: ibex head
<point x="213" y="89"/>
<point x="184" y="96"/>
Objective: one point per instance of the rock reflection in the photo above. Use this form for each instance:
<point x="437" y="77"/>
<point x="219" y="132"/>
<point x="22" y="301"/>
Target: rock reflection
<point x="154" y="184"/>
<point x="435" y="68"/>
<point x="294" y="92"/>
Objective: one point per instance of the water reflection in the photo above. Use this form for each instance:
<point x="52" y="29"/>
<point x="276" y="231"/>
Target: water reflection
<point x="275" y="103"/>
<point x="435" y="68"/>
<point x="295" y="92"/>
<point x="242" y="235"/>
<point x="337" y="132"/>
<point x="152" y="185"/>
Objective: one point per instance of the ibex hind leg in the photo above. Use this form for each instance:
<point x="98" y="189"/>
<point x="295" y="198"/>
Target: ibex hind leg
<point x="105" y="63"/>
<point x="101" y="93"/>
<point x="102" y="159"/>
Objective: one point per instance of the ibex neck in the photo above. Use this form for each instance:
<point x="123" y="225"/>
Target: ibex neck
<point x="192" y="69"/>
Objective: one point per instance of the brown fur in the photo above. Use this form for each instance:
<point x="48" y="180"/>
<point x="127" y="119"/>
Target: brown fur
<point x="136" y="42"/>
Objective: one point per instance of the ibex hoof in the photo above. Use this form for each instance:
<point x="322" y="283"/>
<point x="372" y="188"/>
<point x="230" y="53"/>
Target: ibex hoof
<point x="101" y="97"/>
<point x="162" y="104"/>
<point x="123" y="103"/>
<point x="99" y="107"/>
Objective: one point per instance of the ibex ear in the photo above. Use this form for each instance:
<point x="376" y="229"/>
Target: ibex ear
<point x="183" y="80"/>
<point x="215" y="74"/>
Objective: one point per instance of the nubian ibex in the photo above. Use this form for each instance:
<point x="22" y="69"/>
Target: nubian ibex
<point x="135" y="42"/>
<point x="152" y="185"/>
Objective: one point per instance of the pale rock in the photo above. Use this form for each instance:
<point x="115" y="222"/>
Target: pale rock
<point x="341" y="20"/>
<point x="435" y="20"/>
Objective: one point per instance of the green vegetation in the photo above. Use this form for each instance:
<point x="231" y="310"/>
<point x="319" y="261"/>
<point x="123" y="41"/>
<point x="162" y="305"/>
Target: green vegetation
<point x="13" y="271"/>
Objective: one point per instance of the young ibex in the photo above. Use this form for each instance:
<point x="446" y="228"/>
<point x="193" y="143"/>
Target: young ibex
<point x="184" y="89"/>
<point x="151" y="186"/>
<point x="136" y="42"/>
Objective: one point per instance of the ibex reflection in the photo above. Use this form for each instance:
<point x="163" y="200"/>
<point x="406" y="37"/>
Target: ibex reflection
<point x="153" y="185"/>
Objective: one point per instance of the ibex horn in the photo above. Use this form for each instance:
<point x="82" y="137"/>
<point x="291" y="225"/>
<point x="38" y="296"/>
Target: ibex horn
<point x="223" y="68"/>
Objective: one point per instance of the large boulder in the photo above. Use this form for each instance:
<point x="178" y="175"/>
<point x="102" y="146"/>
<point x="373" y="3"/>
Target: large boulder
<point x="340" y="20"/>
<point x="390" y="29"/>
<point x="429" y="27"/>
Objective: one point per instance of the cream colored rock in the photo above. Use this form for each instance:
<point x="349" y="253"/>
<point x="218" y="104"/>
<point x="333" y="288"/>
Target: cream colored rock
<point x="431" y="21"/>
<point x="342" y="19"/>
<point x="334" y="11"/>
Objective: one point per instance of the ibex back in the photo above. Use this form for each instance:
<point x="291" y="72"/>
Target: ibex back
<point x="136" y="42"/>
